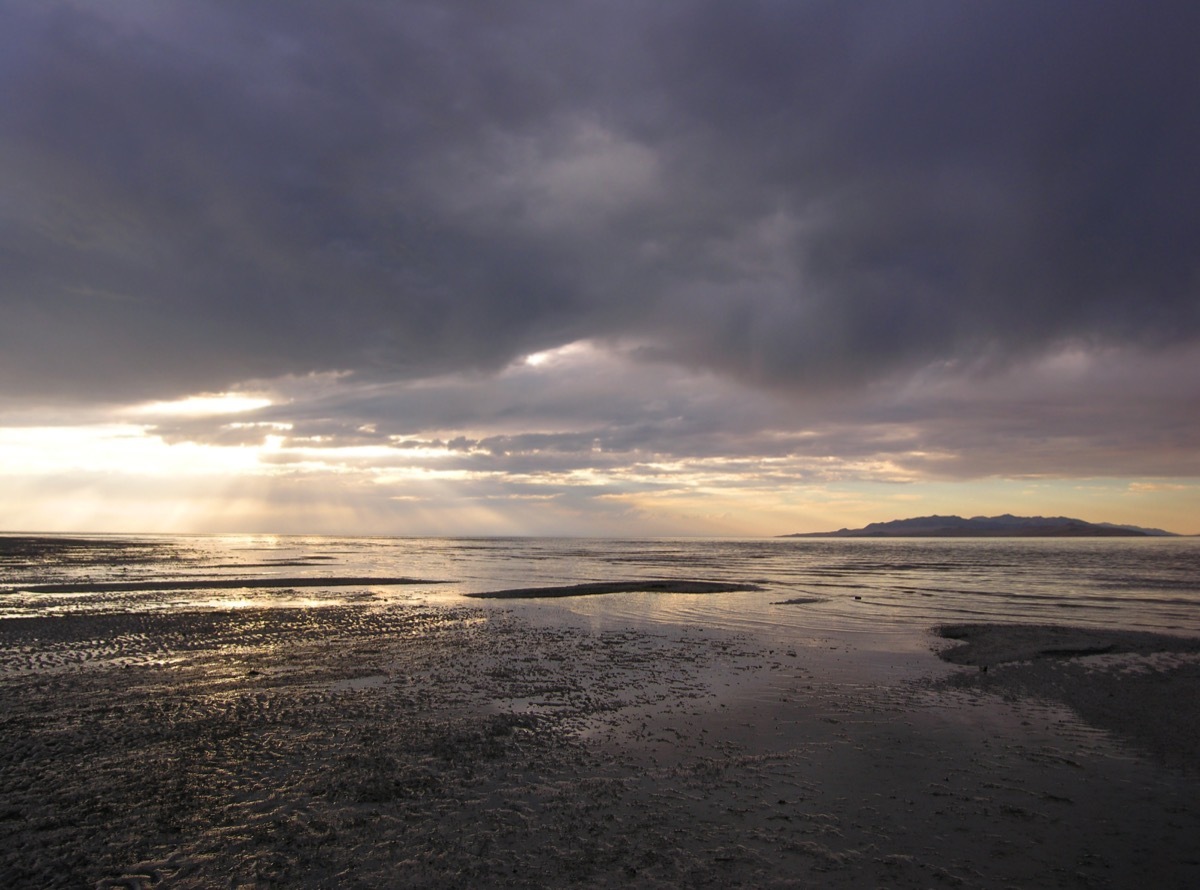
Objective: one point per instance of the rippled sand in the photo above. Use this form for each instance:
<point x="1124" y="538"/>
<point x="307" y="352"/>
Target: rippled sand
<point x="407" y="744"/>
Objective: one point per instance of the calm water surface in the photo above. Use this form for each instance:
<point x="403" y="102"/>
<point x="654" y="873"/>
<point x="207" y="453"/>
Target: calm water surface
<point x="867" y="586"/>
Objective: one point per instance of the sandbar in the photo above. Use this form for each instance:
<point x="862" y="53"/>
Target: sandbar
<point x="986" y="645"/>
<point x="595" y="588"/>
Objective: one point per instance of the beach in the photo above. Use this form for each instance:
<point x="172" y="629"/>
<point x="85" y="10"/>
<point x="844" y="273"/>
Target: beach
<point x="334" y="713"/>
<point x="401" y="742"/>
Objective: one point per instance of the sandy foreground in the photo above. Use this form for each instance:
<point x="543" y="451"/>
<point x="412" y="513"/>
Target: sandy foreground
<point x="423" y="745"/>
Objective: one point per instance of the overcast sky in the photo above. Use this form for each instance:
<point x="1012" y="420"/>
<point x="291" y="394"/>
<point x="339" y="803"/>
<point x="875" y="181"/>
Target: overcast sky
<point x="597" y="267"/>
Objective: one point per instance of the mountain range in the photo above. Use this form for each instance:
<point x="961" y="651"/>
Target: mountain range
<point x="1006" y="526"/>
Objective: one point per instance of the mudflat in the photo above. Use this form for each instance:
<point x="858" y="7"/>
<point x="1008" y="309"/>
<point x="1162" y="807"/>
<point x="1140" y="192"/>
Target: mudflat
<point x="433" y="745"/>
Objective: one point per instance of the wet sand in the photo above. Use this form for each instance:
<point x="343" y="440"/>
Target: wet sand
<point x="409" y="744"/>
<point x="1144" y="688"/>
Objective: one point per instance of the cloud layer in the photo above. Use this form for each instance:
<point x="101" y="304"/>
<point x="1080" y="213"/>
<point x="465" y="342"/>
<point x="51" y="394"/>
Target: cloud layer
<point x="794" y="194"/>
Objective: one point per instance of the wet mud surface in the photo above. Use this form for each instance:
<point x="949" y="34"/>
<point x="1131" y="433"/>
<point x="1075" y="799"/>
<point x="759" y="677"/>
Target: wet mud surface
<point x="418" y="745"/>
<point x="1142" y="687"/>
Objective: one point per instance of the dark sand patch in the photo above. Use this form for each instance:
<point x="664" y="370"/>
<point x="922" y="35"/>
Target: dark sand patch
<point x="1142" y="687"/>
<point x="218" y="584"/>
<point x="43" y="546"/>
<point x="602" y="587"/>
<point x="24" y="552"/>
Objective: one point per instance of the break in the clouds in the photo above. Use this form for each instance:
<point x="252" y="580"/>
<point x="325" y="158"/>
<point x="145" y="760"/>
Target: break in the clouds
<point x="918" y="240"/>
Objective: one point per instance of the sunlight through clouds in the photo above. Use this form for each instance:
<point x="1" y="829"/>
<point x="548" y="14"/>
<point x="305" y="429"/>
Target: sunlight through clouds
<point x="124" y="449"/>
<point x="642" y="452"/>
<point x="204" y="405"/>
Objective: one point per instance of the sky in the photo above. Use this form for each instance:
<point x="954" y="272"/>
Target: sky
<point x="596" y="268"/>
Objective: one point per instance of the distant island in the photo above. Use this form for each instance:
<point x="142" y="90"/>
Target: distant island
<point x="1006" y="526"/>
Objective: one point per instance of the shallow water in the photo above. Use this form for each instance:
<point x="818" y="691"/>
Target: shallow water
<point x="868" y="587"/>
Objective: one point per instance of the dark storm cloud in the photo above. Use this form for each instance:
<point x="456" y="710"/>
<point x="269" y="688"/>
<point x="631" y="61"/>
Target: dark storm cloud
<point x="800" y="195"/>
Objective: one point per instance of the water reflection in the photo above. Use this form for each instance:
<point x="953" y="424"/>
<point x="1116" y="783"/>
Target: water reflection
<point x="868" y="587"/>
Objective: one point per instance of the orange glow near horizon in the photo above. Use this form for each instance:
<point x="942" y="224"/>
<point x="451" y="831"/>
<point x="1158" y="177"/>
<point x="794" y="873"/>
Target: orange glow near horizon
<point x="121" y="477"/>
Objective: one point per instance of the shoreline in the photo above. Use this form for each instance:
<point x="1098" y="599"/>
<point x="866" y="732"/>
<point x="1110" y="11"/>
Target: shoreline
<point x="440" y="745"/>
